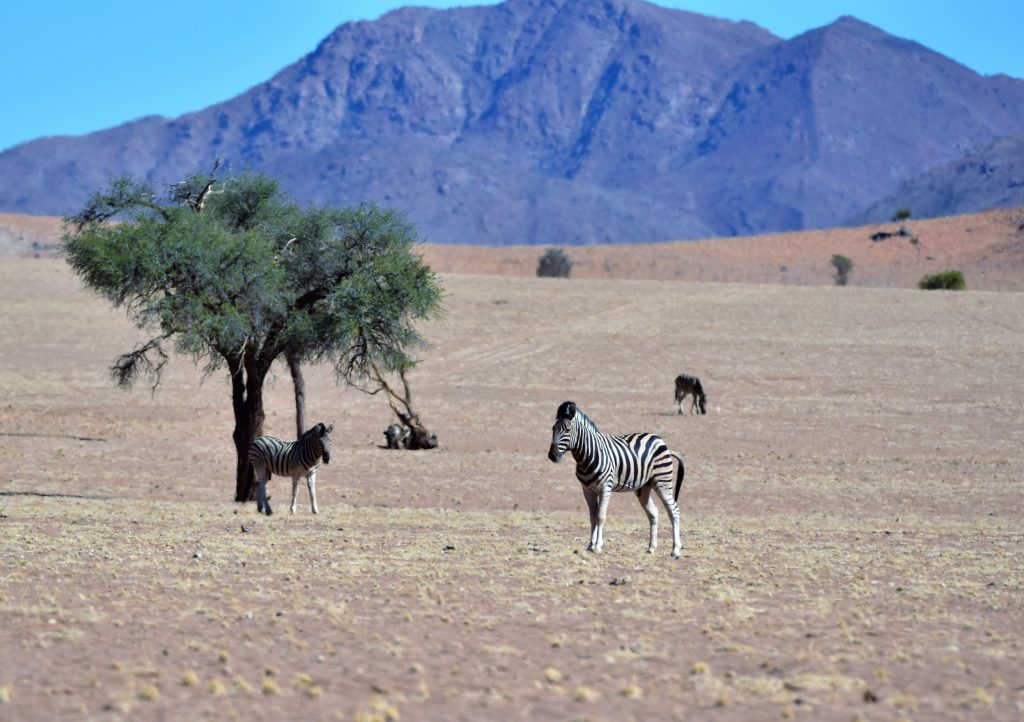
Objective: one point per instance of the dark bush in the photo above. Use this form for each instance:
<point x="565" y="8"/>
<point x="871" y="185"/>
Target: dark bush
<point x="554" y="264"/>
<point x="843" y="266"/>
<point x="945" y="281"/>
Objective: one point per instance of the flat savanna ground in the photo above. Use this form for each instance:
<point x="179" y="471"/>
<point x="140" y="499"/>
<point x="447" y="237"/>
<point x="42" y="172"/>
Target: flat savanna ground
<point x="853" y="517"/>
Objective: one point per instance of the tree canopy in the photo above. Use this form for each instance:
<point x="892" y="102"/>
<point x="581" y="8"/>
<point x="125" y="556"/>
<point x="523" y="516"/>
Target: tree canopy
<point x="233" y="274"/>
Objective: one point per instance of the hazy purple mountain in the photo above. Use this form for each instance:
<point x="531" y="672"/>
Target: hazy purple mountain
<point x="565" y="122"/>
<point x="988" y="177"/>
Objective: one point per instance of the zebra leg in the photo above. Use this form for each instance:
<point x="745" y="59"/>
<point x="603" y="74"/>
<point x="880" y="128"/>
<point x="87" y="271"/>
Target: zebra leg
<point x="591" y="498"/>
<point x="260" y="491"/>
<point x="311" y="485"/>
<point x="295" y="490"/>
<point x="665" y="492"/>
<point x="602" y="514"/>
<point x="262" y="502"/>
<point x="647" y="502"/>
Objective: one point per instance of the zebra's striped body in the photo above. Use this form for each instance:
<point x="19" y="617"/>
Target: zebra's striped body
<point x="641" y="463"/>
<point x="269" y="456"/>
<point x="687" y="385"/>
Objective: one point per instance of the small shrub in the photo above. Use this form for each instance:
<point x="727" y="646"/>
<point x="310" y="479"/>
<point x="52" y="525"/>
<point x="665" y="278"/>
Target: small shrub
<point x="944" y="281"/>
<point x="843" y="266"/>
<point x="554" y="264"/>
<point x="901" y="215"/>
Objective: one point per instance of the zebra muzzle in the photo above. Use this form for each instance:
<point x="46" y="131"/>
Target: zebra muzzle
<point x="554" y="454"/>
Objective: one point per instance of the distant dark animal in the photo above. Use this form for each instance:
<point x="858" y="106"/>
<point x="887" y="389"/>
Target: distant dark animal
<point x="400" y="436"/>
<point x="296" y="459"/>
<point x="640" y="462"/>
<point x="397" y="436"/>
<point x="687" y="385"/>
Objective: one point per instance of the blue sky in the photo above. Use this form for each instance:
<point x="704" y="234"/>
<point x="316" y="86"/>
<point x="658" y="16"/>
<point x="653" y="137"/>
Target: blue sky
<point x="72" y="67"/>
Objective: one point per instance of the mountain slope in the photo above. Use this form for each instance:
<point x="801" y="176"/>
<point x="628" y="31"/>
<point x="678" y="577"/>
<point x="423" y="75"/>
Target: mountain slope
<point x="988" y="177"/>
<point x="565" y="122"/>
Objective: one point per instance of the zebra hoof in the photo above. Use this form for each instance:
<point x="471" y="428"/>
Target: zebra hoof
<point x="675" y="555"/>
<point x="269" y="512"/>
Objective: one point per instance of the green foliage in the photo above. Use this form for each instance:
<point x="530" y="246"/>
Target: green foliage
<point x="555" y="263"/>
<point x="944" y="281"/>
<point x="225" y="264"/>
<point x="843" y="266"/>
<point x="901" y="215"/>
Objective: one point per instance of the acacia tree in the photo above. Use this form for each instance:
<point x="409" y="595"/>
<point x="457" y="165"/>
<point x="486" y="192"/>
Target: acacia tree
<point x="233" y="274"/>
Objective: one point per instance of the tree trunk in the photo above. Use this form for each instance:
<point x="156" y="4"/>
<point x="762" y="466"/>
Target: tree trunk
<point x="247" y="402"/>
<point x="300" y="395"/>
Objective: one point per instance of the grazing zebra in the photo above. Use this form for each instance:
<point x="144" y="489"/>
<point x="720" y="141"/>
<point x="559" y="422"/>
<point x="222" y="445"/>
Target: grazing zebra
<point x="268" y="456"/>
<point x="687" y="385"/>
<point x="626" y="462"/>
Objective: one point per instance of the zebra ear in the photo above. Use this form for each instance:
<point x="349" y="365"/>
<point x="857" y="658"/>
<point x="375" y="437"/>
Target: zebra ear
<point x="329" y="429"/>
<point x="567" y="410"/>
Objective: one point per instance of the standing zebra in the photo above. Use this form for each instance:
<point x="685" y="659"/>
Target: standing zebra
<point x="627" y="462"/>
<point x="268" y="456"/>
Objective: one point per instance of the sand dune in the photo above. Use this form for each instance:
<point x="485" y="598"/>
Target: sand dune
<point x="987" y="247"/>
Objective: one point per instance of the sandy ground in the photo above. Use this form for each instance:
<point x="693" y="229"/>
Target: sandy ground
<point x="853" y="517"/>
<point x="988" y="248"/>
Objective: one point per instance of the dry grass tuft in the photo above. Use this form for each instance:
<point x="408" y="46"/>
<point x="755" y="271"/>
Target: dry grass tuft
<point x="552" y="675"/>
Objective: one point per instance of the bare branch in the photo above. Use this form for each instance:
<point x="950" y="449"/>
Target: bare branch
<point x="128" y="366"/>
<point x="200" y="201"/>
<point x="408" y="417"/>
<point x="183" y="192"/>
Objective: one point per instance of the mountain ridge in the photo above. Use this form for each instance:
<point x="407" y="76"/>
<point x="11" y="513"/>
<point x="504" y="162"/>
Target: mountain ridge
<point x="563" y="122"/>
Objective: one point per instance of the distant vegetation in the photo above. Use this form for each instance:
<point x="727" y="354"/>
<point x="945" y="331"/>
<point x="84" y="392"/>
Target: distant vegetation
<point x="843" y="266"/>
<point x="901" y="215"/>
<point x="944" y="281"/>
<point x="554" y="264"/>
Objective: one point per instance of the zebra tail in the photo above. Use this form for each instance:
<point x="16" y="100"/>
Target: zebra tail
<point x="679" y="476"/>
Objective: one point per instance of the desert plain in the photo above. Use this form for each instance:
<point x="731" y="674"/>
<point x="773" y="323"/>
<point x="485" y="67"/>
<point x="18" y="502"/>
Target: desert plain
<point x="852" y="511"/>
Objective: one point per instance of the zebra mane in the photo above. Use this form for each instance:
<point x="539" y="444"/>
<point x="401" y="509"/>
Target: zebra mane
<point x="588" y="422"/>
<point x="569" y="410"/>
<point x="314" y="432"/>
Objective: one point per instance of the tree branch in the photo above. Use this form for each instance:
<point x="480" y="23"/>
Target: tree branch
<point x="184" y="193"/>
<point x="123" y="196"/>
<point x="128" y="366"/>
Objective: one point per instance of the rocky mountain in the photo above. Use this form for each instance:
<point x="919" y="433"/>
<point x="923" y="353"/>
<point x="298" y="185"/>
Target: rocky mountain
<point x="988" y="177"/>
<point x="566" y="122"/>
